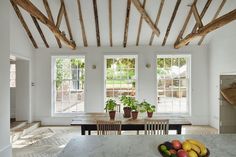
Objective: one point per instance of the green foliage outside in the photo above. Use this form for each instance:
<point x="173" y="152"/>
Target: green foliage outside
<point x="62" y="67"/>
<point x="124" y="69"/>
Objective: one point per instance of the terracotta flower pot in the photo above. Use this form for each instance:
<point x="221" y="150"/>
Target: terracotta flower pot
<point x="112" y="114"/>
<point x="134" y="115"/>
<point x="149" y="114"/>
<point x="127" y="111"/>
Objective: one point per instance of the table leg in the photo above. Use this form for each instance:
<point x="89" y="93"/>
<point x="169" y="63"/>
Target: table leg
<point x="82" y="130"/>
<point x="179" y="129"/>
<point x="89" y="132"/>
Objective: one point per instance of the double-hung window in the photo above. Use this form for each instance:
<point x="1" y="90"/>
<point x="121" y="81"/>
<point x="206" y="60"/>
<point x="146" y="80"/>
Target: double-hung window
<point x="173" y="89"/>
<point x="68" y="84"/>
<point x="120" y="76"/>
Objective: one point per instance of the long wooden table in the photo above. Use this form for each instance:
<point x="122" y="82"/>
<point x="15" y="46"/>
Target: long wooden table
<point x="87" y="121"/>
<point x="143" y="145"/>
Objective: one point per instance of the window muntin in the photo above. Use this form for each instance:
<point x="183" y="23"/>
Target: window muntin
<point x="120" y="77"/>
<point x="173" y="79"/>
<point x="68" y="84"/>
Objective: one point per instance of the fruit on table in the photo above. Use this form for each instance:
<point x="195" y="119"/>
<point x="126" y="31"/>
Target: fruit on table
<point x="172" y="151"/>
<point x="189" y="148"/>
<point x="176" y="144"/>
<point x="195" y="148"/>
<point x="202" y="147"/>
<point x="192" y="153"/>
<point x="166" y="152"/>
<point x="163" y="148"/>
<point x="182" y="153"/>
<point x="186" y="146"/>
<point x="168" y="145"/>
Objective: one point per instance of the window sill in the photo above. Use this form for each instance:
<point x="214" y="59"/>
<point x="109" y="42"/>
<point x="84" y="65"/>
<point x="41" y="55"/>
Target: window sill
<point x="66" y="115"/>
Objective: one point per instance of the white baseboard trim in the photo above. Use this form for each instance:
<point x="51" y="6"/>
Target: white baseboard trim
<point x="6" y="151"/>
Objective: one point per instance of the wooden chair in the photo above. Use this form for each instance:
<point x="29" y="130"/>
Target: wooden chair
<point x="108" y="127"/>
<point x="156" y="127"/>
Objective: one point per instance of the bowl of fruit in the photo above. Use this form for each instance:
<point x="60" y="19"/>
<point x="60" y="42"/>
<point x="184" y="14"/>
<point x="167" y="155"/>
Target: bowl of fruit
<point x="188" y="148"/>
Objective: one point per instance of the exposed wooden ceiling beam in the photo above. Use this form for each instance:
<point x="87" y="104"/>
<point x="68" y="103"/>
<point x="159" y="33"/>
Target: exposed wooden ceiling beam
<point x="202" y="14"/>
<point x="96" y="22"/>
<point x="34" y="11"/>
<point x="49" y="13"/>
<point x="185" y="23"/>
<point x="215" y="16"/>
<point x="110" y="21"/>
<point x="126" y="23"/>
<point x="197" y="16"/>
<point x="67" y="21"/>
<point x="171" y="22"/>
<point x="60" y="15"/>
<point x="157" y="20"/>
<point x="215" y="24"/>
<point x="140" y="24"/>
<point x="40" y="31"/>
<point x="146" y="17"/>
<point x="82" y="24"/>
<point x="19" y="15"/>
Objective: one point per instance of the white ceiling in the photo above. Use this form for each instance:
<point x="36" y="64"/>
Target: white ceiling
<point x="118" y="21"/>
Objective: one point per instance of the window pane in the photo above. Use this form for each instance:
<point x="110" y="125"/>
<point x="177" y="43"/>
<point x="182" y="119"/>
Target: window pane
<point x="120" y="77"/>
<point x="167" y="63"/>
<point x="69" y="80"/>
<point x="173" y="84"/>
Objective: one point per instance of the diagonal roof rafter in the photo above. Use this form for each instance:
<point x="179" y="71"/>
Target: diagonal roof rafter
<point x="34" y="11"/>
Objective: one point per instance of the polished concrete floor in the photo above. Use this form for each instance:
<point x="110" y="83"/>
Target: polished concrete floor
<point x="49" y="141"/>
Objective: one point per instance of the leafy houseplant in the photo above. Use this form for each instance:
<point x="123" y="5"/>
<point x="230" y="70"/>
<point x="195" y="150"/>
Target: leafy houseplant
<point x="135" y="108"/>
<point x="148" y="108"/>
<point x="127" y="101"/>
<point x="110" y="106"/>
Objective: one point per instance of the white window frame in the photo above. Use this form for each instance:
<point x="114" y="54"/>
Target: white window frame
<point x="189" y="89"/>
<point x="53" y="103"/>
<point x="121" y="56"/>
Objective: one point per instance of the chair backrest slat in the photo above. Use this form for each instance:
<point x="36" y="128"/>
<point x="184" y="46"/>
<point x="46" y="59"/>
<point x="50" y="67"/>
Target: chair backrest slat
<point x="108" y="127"/>
<point x="156" y="126"/>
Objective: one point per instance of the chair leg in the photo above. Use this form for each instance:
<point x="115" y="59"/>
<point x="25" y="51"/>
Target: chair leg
<point x="137" y="132"/>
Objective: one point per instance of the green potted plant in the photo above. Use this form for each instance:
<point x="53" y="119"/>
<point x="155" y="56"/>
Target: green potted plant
<point x="127" y="105"/>
<point x="110" y="106"/>
<point x="148" y="108"/>
<point x="135" y="108"/>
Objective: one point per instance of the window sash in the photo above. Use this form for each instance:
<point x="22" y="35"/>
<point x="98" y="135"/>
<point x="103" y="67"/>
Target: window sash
<point x="172" y="98"/>
<point x="119" y="81"/>
<point x="68" y="100"/>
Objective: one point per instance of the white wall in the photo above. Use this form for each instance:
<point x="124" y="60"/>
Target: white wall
<point x="19" y="41"/>
<point x="5" y="147"/>
<point x="23" y="107"/>
<point x="21" y="47"/>
<point x="95" y="84"/>
<point x="222" y="60"/>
